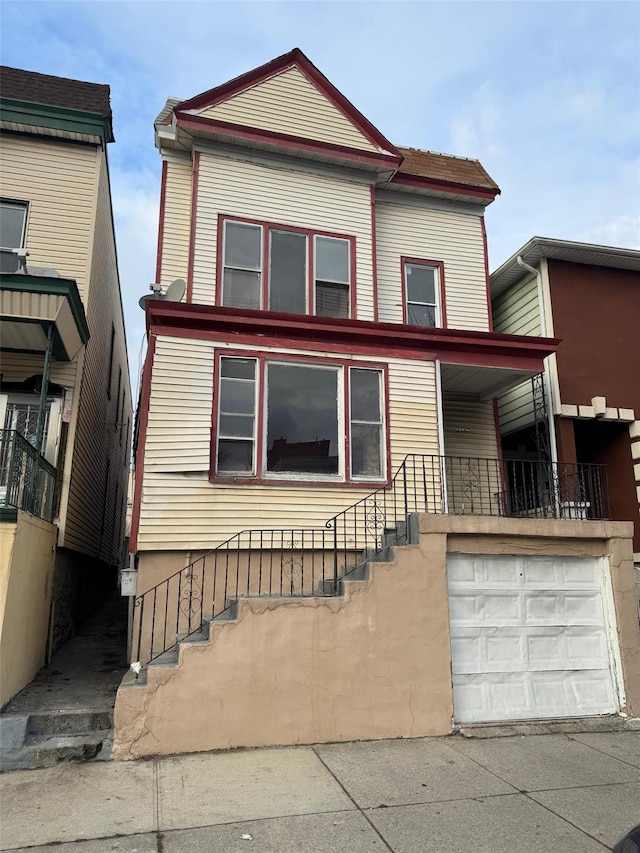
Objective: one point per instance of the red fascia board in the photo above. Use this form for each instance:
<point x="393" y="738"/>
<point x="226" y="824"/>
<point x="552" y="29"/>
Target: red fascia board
<point x="294" y="57"/>
<point x="227" y="128"/>
<point x="457" y="346"/>
<point x="444" y="186"/>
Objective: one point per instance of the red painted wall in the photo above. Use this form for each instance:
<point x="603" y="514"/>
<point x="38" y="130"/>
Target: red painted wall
<point x="596" y="313"/>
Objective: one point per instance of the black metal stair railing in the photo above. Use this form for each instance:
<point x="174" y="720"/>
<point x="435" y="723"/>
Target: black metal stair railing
<point x="311" y="562"/>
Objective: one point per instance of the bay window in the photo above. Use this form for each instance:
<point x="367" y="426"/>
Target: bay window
<point x="285" y="269"/>
<point x="290" y="420"/>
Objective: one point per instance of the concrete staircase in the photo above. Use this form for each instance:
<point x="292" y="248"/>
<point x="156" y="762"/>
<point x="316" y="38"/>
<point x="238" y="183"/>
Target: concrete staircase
<point x="45" y="738"/>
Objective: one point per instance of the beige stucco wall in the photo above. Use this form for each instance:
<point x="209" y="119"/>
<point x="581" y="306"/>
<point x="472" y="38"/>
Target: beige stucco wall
<point x="27" y="554"/>
<point x="374" y="664"/>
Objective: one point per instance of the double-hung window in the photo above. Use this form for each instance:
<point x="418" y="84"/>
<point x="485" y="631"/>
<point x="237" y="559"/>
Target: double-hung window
<point x="13" y="218"/>
<point x="280" y="419"/>
<point x="422" y="287"/>
<point x="285" y="269"/>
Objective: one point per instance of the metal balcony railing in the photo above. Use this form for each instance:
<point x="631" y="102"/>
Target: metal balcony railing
<point x="27" y="480"/>
<point x="309" y="562"/>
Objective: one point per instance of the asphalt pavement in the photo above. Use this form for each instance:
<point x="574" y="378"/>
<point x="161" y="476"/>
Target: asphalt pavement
<point x="553" y="793"/>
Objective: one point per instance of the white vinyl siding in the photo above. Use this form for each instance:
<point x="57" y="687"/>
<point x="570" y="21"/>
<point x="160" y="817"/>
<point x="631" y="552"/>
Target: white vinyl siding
<point x="517" y="312"/>
<point x="97" y="458"/>
<point x="469" y="427"/>
<point x="58" y="180"/>
<point x="177" y="221"/>
<point x="290" y="103"/>
<point x="182" y="509"/>
<point x="433" y="235"/>
<point x="298" y="199"/>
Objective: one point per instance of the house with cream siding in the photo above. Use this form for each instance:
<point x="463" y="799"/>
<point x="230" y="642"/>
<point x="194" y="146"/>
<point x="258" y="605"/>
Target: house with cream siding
<point x="317" y="439"/>
<point x="65" y="399"/>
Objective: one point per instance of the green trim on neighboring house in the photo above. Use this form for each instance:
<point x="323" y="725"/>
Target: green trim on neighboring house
<point x="54" y="287"/>
<point x="56" y="118"/>
<point x="8" y="515"/>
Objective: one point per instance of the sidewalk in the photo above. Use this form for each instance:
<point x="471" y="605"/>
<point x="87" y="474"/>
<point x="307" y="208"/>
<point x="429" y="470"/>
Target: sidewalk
<point x="543" y="794"/>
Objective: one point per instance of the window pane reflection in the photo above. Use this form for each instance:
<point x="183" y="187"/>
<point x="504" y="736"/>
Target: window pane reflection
<point x="302" y="419"/>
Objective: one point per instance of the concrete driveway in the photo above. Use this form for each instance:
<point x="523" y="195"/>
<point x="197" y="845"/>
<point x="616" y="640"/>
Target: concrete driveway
<point x="545" y="794"/>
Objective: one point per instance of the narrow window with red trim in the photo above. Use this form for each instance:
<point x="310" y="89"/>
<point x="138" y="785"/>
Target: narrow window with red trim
<point x="332" y="283"/>
<point x="242" y="265"/>
<point x="422" y="290"/>
<point x="237" y="416"/>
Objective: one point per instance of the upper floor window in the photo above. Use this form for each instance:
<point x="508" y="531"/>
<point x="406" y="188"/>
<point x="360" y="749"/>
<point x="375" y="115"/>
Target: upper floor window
<point x="13" y="218"/>
<point x="423" y="293"/>
<point x="285" y="269"/>
<point x="281" y="419"/>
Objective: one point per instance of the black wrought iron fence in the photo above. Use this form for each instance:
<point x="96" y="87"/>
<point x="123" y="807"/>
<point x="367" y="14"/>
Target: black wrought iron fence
<point x="27" y="480"/>
<point x="310" y="562"/>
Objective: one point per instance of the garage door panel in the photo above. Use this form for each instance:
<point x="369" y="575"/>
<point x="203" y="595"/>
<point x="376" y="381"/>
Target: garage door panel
<point x="476" y="650"/>
<point x="498" y="697"/>
<point x="528" y="638"/>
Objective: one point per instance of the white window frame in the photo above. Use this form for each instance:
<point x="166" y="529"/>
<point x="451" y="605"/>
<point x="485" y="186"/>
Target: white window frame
<point x="381" y="423"/>
<point x="256" y="416"/>
<point x="224" y="266"/>
<point x="437" y="291"/>
<point x="347" y="284"/>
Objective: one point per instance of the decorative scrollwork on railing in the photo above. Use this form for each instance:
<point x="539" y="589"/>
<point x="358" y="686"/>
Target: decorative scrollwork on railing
<point x="470" y="483"/>
<point x="190" y="593"/>
<point x="375" y="521"/>
<point x="292" y="566"/>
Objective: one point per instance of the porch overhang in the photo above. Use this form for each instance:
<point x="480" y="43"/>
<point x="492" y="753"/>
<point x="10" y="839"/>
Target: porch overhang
<point x="491" y="360"/>
<point x="483" y="382"/>
<point x="30" y="303"/>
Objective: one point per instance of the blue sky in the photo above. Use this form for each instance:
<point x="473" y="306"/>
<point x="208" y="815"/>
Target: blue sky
<point x="545" y="94"/>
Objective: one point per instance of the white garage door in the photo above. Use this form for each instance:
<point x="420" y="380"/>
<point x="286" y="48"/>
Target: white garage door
<point x="528" y="638"/>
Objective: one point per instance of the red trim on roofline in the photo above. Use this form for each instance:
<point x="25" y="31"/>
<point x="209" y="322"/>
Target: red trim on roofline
<point x="163" y="193"/>
<point x="450" y="345"/>
<point x="145" y="396"/>
<point x="374" y="254"/>
<point x="486" y="273"/>
<point x="455" y="187"/>
<point x="296" y="58"/>
<point x="315" y="146"/>
<point x="192" y="224"/>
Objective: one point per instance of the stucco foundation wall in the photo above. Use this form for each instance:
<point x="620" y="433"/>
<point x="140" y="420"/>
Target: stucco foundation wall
<point x="374" y="664"/>
<point x="26" y="572"/>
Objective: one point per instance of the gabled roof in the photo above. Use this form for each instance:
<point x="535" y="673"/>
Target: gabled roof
<point x="262" y="109"/>
<point x="295" y="58"/>
<point x="20" y="85"/>
<point x="563" y="250"/>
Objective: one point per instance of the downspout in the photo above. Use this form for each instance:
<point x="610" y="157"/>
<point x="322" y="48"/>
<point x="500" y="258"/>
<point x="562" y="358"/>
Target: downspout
<point x="547" y="390"/>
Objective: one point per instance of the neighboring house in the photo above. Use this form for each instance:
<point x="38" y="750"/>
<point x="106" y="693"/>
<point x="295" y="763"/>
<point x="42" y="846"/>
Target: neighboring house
<point x="588" y="296"/>
<point x="65" y="400"/>
<point x="327" y="391"/>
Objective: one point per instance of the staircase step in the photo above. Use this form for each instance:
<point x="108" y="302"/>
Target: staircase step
<point x="45" y="723"/>
<point x="49" y="751"/>
<point x="169" y="658"/>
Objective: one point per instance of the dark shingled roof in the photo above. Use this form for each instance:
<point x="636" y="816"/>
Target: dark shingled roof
<point x="37" y="88"/>
<point x="445" y="167"/>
